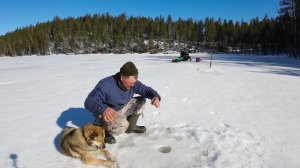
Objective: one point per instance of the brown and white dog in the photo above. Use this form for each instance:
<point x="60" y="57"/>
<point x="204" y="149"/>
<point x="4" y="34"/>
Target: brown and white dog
<point x="86" y="143"/>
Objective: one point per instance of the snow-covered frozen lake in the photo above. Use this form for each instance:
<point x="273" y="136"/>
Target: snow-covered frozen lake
<point x="243" y="112"/>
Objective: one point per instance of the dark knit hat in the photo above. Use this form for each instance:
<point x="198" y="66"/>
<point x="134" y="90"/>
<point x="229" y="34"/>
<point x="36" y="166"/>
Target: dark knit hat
<point x="129" y="69"/>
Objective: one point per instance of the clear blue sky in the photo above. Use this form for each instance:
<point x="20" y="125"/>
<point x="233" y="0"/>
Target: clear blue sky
<point x="19" y="13"/>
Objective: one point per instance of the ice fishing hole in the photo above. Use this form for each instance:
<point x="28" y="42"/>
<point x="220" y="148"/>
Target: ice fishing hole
<point x="165" y="149"/>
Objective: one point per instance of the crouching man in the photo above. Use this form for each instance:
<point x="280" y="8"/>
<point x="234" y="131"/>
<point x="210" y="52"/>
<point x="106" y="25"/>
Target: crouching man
<point x="113" y="105"/>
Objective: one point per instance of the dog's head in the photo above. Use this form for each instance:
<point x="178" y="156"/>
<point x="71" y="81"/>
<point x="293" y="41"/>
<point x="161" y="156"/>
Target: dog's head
<point x="94" y="135"/>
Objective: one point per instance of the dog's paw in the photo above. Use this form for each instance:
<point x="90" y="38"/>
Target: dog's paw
<point x="112" y="164"/>
<point x="113" y="159"/>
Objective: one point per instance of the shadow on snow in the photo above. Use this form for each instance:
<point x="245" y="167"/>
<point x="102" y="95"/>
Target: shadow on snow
<point x="76" y="116"/>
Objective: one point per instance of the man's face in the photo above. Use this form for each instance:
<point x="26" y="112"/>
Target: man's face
<point x="128" y="81"/>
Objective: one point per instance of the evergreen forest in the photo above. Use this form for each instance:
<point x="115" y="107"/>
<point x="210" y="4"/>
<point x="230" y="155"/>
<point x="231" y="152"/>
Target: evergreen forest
<point x="104" y="33"/>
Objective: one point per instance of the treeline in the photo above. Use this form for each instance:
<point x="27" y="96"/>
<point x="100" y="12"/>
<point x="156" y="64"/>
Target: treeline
<point x="119" y="34"/>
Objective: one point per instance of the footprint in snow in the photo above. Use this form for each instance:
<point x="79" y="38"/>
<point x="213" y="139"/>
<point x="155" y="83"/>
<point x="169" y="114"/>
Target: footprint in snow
<point x="224" y="125"/>
<point x="182" y="125"/>
<point x="184" y="99"/>
<point x="5" y="83"/>
<point x="126" y="142"/>
<point x="155" y="113"/>
<point x="212" y="112"/>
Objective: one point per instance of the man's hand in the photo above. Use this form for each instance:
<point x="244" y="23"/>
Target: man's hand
<point x="109" y="115"/>
<point x="155" y="101"/>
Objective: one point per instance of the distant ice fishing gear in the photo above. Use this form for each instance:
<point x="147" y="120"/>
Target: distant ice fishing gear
<point x="185" y="56"/>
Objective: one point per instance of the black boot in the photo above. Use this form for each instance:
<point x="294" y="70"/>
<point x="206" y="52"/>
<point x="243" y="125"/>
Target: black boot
<point x="109" y="138"/>
<point x="132" y="119"/>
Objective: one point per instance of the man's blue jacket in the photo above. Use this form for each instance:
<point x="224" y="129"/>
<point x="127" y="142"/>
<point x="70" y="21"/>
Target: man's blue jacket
<point x="108" y="93"/>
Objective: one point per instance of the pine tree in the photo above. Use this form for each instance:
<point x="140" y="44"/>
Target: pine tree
<point x="230" y="32"/>
<point x="3" y="48"/>
<point x="290" y="9"/>
<point x="220" y="32"/>
<point x="255" y="34"/>
<point x="169" y="27"/>
<point x="244" y="36"/>
<point x="224" y="33"/>
<point x="210" y="31"/>
<point x="199" y="31"/>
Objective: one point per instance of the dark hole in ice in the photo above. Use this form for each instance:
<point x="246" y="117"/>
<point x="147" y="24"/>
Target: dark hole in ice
<point x="165" y="149"/>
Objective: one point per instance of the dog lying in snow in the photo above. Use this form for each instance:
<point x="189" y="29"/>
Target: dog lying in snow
<point x="86" y="143"/>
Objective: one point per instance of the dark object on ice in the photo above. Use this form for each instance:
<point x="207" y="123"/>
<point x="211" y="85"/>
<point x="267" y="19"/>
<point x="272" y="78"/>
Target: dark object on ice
<point x="184" y="56"/>
<point x="198" y="59"/>
<point x="165" y="149"/>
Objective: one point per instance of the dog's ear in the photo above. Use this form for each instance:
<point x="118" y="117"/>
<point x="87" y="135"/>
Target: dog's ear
<point x="93" y="135"/>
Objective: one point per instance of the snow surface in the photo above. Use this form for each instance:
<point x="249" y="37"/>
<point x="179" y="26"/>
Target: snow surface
<point x="243" y="112"/>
